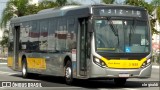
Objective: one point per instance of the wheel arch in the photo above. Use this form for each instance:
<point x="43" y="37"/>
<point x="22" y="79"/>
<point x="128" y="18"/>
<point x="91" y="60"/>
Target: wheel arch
<point x="22" y="59"/>
<point x="66" y="59"/>
<point x="25" y="73"/>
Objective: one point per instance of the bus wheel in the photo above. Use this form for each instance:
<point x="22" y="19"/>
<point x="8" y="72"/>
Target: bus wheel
<point x="120" y="81"/>
<point x="68" y="72"/>
<point x="24" y="68"/>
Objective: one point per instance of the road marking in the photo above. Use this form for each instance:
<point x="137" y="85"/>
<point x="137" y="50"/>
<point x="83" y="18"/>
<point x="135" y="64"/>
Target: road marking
<point x="3" y="63"/>
<point x="130" y="89"/>
<point x="154" y="66"/>
<point x="104" y="89"/>
<point x="8" y="73"/>
<point x="116" y="89"/>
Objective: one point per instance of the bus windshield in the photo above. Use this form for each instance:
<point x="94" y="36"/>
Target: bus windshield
<point x="121" y="36"/>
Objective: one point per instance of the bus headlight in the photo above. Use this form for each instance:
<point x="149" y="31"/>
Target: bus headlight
<point x="99" y="62"/>
<point x="146" y="63"/>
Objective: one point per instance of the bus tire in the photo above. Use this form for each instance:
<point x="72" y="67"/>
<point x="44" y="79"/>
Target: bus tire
<point x="24" y="68"/>
<point x="120" y="81"/>
<point x="68" y="72"/>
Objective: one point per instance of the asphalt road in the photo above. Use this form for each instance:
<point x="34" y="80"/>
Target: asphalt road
<point x="58" y="83"/>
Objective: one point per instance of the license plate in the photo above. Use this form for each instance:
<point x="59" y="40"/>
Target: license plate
<point x="124" y="75"/>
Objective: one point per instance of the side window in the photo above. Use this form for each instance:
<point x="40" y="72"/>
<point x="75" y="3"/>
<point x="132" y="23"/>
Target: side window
<point x="71" y="34"/>
<point x="24" y="36"/>
<point x="61" y="35"/>
<point x="52" y="35"/>
<point x="34" y="36"/>
<point x="43" y="35"/>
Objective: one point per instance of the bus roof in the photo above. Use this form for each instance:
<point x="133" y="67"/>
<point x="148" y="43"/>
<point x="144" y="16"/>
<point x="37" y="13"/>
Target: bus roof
<point x="67" y="11"/>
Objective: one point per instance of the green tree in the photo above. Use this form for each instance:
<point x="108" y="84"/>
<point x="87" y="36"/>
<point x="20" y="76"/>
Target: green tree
<point x="61" y="2"/>
<point x="108" y="1"/>
<point x="158" y="13"/>
<point x="4" y="42"/>
<point x="31" y="9"/>
<point x="156" y="4"/>
<point x="140" y="3"/>
<point x="14" y="8"/>
<point x="46" y="4"/>
<point x="148" y="7"/>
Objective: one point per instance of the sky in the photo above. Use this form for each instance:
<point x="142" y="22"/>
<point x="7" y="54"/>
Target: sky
<point x="2" y="6"/>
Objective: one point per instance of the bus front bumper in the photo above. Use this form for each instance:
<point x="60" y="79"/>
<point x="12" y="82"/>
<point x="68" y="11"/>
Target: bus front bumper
<point x="98" y="72"/>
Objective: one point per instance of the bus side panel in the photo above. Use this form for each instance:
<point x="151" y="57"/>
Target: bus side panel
<point x="46" y="63"/>
<point x="35" y="63"/>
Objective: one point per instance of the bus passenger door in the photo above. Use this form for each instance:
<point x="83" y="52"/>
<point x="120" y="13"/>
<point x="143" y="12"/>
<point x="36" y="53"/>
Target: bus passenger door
<point x="82" y="44"/>
<point x="16" y="47"/>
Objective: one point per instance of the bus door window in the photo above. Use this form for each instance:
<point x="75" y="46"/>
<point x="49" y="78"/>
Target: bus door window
<point x="83" y="45"/>
<point x="16" y="43"/>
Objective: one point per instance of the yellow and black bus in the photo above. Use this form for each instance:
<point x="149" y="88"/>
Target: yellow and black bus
<point x="84" y="42"/>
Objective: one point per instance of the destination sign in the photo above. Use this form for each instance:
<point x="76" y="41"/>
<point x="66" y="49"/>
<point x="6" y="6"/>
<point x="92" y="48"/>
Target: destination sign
<point x="118" y="12"/>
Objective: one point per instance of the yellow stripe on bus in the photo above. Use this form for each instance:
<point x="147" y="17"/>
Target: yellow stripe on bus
<point x="106" y="48"/>
<point x="36" y="63"/>
<point x="114" y="63"/>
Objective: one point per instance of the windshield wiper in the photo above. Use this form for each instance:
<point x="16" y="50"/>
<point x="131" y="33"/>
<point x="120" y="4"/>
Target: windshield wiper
<point x="115" y="31"/>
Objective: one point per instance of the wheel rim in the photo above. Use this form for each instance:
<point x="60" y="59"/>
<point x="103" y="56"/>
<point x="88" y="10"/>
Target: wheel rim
<point x="68" y="72"/>
<point x="24" y="69"/>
